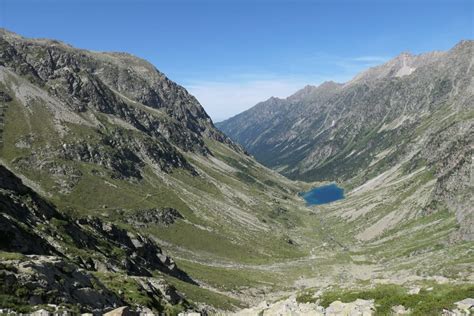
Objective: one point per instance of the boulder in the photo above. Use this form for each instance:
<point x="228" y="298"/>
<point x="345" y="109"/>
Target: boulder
<point x="400" y="310"/>
<point x="41" y="312"/>
<point x="121" y="311"/>
<point x="358" y="307"/>
<point x="414" y="290"/>
<point x="466" y="305"/>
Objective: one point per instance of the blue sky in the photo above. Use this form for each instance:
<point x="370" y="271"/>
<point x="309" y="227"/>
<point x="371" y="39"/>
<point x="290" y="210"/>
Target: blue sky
<point x="232" y="54"/>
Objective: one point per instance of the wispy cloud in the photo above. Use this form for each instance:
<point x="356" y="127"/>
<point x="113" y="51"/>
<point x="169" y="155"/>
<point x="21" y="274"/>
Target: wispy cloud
<point x="354" y="65"/>
<point x="339" y="63"/>
<point x="370" y="59"/>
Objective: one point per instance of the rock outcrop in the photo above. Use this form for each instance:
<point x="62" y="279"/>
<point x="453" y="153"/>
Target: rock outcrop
<point x="291" y="307"/>
<point x="60" y="254"/>
<point x="53" y="280"/>
<point x="164" y="216"/>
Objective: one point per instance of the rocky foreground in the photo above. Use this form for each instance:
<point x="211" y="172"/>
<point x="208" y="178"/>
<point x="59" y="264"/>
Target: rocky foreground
<point x="289" y="306"/>
<point x="360" y="307"/>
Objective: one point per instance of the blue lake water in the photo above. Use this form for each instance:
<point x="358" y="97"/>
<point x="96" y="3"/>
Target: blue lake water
<point x="323" y="194"/>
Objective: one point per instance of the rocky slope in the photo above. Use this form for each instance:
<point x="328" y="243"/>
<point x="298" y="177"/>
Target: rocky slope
<point x="309" y="133"/>
<point x="57" y="256"/>
<point x="109" y="170"/>
<point x="416" y="110"/>
<point x="308" y="305"/>
<point x="119" y="148"/>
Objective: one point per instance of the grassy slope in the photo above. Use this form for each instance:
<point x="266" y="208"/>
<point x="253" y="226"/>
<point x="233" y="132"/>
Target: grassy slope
<point x="228" y="207"/>
<point x="240" y="217"/>
<point x="426" y="302"/>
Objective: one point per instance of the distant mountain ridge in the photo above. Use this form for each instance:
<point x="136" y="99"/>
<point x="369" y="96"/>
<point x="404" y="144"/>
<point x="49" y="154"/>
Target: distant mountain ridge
<point x="390" y="114"/>
<point x="292" y="135"/>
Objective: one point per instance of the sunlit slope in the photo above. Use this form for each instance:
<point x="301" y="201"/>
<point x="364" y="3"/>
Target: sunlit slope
<point x="106" y="135"/>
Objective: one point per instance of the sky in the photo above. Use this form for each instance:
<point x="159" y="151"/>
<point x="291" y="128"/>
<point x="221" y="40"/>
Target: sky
<point x="232" y="54"/>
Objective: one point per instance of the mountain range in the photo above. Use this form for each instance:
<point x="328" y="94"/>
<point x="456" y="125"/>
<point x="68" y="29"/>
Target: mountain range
<point x="118" y="193"/>
<point x="413" y="111"/>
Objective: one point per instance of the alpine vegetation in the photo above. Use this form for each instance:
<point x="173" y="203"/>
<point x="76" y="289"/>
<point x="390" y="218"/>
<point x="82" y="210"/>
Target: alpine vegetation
<point x="119" y="196"/>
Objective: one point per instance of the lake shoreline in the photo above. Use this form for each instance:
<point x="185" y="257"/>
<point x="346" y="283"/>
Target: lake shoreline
<point x="323" y="194"/>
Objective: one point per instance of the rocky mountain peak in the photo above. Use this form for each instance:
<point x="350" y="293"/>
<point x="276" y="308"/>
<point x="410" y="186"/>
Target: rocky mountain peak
<point x="312" y="93"/>
<point x="273" y="99"/>
<point x="402" y="65"/>
<point x="329" y="85"/>
<point x="464" y="45"/>
<point x="117" y="84"/>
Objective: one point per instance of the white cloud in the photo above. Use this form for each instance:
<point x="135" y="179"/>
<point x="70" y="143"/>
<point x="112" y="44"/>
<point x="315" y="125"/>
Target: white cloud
<point x="356" y="65"/>
<point x="371" y="59"/>
<point x="222" y="100"/>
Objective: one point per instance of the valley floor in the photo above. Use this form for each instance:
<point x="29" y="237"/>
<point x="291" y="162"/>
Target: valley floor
<point x="377" y="239"/>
